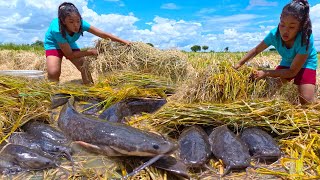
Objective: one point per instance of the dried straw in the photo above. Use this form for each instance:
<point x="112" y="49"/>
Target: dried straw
<point x="221" y="83"/>
<point x="139" y="57"/>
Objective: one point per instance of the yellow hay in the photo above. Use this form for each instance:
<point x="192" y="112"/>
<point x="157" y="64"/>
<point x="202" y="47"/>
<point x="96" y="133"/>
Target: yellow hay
<point x="221" y="83"/>
<point x="139" y="57"/>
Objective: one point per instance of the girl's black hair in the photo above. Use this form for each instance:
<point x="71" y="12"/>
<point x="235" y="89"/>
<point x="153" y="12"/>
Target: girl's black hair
<point x="299" y="9"/>
<point x="66" y="9"/>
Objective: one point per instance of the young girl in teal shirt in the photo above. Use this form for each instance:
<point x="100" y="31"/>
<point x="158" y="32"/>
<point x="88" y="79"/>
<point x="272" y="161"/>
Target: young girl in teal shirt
<point x="293" y="40"/>
<point x="60" y="40"/>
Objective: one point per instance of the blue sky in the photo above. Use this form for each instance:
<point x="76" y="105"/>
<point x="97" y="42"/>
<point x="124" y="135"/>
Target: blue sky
<point x="239" y="25"/>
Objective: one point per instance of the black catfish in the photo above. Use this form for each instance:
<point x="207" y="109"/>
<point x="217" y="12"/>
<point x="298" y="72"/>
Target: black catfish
<point x="43" y="130"/>
<point x="194" y="146"/>
<point x="27" y="158"/>
<point x="7" y="167"/>
<point x="59" y="99"/>
<point x="112" y="139"/>
<point x="233" y="152"/>
<point x="130" y="107"/>
<point x="172" y="165"/>
<point x="40" y="144"/>
<point x="92" y="107"/>
<point x="261" y="144"/>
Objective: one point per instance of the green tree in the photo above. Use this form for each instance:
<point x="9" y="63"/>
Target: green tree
<point x="150" y="44"/>
<point x="195" y="48"/>
<point x="37" y="43"/>
<point x="226" y="49"/>
<point x="272" y="49"/>
<point x="205" y="48"/>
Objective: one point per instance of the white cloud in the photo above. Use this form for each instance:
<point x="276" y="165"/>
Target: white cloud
<point x="8" y="4"/>
<point x="315" y="20"/>
<point x="206" y="11"/>
<point x="119" y="2"/>
<point x="261" y="3"/>
<point x="25" y="21"/>
<point x="235" y="18"/>
<point x="170" y="6"/>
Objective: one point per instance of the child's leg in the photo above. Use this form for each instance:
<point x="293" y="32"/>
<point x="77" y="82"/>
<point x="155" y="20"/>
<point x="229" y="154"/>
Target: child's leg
<point x="85" y="74"/>
<point x="53" y="68"/>
<point x="306" y="93"/>
<point x="306" y="82"/>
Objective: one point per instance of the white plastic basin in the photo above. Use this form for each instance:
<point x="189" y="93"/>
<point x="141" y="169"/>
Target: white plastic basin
<point x="32" y="74"/>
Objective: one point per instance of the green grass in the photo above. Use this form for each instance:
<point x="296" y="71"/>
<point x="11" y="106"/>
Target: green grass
<point x="25" y="47"/>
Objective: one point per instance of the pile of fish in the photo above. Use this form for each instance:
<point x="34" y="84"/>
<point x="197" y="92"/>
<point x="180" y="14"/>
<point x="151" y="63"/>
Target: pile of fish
<point x="38" y="147"/>
<point x="235" y="152"/>
<point x="106" y="133"/>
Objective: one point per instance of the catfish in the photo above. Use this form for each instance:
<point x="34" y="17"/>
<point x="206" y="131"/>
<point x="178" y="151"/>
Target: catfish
<point x="111" y="138"/>
<point x="261" y="144"/>
<point x="40" y="129"/>
<point x="8" y="167"/>
<point x="59" y="99"/>
<point x="27" y="158"/>
<point x="40" y="144"/>
<point x="228" y="147"/>
<point x="194" y="146"/>
<point x="130" y="107"/>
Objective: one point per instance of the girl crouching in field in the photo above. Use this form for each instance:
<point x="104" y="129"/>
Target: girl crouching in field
<point x="293" y="40"/>
<point x="60" y="40"/>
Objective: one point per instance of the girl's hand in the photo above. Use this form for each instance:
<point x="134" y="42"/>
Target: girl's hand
<point x="93" y="52"/>
<point x="259" y="75"/>
<point x="236" y="66"/>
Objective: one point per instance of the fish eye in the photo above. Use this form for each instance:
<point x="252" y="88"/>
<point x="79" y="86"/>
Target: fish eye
<point x="155" y="146"/>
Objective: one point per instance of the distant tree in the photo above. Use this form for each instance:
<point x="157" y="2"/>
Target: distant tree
<point x="212" y="51"/>
<point x="195" y="48"/>
<point x="205" y="48"/>
<point x="150" y="44"/>
<point x="272" y="49"/>
<point x="37" y="43"/>
<point x="226" y="49"/>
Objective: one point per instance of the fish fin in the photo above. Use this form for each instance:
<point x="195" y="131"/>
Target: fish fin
<point x="99" y="149"/>
<point x="87" y="145"/>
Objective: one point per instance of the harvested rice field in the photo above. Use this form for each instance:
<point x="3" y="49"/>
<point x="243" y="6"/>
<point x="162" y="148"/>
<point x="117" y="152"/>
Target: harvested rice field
<point x="200" y="89"/>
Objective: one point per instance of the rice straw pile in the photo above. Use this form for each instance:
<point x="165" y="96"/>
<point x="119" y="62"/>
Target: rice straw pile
<point x="139" y="57"/>
<point x="221" y="83"/>
<point x="22" y="60"/>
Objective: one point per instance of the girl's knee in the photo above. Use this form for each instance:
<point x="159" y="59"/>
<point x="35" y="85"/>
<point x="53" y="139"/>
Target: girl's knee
<point x="306" y="98"/>
<point x="54" y="74"/>
<point x="306" y="93"/>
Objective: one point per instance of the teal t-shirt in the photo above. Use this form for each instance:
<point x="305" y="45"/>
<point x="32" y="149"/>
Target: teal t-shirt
<point x="53" y="36"/>
<point x="289" y="54"/>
